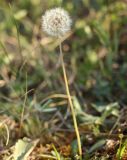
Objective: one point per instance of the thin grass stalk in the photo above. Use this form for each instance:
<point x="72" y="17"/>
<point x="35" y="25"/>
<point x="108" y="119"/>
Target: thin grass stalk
<point x="70" y="101"/>
<point x="23" y="110"/>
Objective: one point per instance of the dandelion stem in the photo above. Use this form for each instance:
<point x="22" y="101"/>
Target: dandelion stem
<point x="70" y="101"/>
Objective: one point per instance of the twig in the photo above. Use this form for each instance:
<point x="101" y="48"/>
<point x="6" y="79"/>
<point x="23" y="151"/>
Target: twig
<point x="101" y="134"/>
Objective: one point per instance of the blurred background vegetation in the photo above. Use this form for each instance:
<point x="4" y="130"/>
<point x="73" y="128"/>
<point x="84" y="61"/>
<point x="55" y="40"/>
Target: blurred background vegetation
<point x="95" y="54"/>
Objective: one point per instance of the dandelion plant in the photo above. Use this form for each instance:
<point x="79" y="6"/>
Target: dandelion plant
<point x="57" y="22"/>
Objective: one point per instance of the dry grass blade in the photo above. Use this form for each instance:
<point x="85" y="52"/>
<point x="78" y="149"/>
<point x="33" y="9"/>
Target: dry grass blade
<point x="23" y="109"/>
<point x="7" y="131"/>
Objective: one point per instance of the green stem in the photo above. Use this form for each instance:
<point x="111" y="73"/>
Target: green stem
<point x="70" y="102"/>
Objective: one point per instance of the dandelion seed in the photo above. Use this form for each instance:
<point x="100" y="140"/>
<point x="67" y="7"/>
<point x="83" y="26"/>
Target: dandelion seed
<point x="56" y="22"/>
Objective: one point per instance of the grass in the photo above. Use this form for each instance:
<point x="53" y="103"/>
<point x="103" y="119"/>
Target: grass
<point x="96" y="63"/>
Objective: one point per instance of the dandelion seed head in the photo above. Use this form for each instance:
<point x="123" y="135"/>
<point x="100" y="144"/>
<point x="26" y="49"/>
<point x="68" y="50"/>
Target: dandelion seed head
<point x="56" y="22"/>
